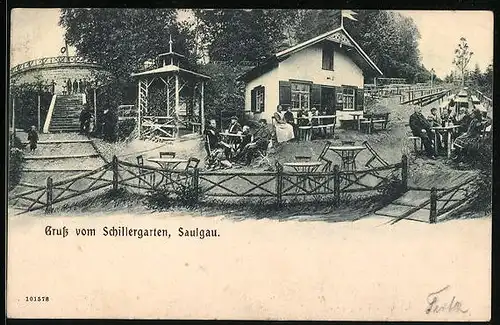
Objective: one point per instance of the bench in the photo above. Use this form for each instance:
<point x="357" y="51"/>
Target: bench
<point x="370" y="121"/>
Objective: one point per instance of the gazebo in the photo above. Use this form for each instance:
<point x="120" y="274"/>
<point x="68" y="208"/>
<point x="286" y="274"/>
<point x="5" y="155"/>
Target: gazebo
<point x="182" y="111"/>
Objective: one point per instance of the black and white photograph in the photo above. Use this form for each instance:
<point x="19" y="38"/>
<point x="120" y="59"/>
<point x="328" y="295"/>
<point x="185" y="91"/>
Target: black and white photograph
<point x="271" y="164"/>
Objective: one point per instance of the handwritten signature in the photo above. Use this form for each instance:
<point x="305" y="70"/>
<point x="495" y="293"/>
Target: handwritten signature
<point x="438" y="303"/>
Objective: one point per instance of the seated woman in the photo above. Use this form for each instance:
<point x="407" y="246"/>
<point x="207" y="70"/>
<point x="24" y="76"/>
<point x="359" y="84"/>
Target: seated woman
<point x="465" y="144"/>
<point x="284" y="131"/>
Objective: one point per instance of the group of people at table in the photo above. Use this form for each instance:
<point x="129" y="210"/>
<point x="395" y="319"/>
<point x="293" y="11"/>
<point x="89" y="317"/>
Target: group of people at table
<point x="240" y="144"/>
<point x="466" y="127"/>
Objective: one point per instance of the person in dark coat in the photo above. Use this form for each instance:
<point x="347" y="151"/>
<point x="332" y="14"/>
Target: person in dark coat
<point x="110" y="125"/>
<point x="260" y="142"/>
<point x="69" y="86"/>
<point x="85" y="116"/>
<point x="234" y="128"/>
<point x="468" y="142"/>
<point x="213" y="144"/>
<point x="290" y="119"/>
<point x="420" y="127"/>
<point x="33" y="138"/>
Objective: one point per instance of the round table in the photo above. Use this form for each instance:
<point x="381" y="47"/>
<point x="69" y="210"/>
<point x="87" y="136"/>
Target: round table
<point x="303" y="167"/>
<point x="448" y="130"/>
<point x="348" y="155"/>
<point x="231" y="137"/>
<point x="168" y="164"/>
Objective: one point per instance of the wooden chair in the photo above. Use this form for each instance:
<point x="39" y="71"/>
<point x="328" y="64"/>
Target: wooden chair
<point x="263" y="157"/>
<point x="192" y="164"/>
<point x="167" y="154"/>
<point x="322" y="157"/>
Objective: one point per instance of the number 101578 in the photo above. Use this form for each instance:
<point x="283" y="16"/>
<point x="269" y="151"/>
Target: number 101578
<point x="36" y="298"/>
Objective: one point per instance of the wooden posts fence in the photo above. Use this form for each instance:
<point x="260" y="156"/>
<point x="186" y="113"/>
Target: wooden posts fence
<point x="49" y="188"/>
<point x="114" y="166"/>
<point x="336" y="184"/>
<point x="433" y="206"/>
<point x="279" y="184"/>
<point x="404" y="173"/>
<point x="195" y="183"/>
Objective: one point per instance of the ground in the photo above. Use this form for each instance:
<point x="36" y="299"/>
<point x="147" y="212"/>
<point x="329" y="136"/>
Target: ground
<point x="390" y="144"/>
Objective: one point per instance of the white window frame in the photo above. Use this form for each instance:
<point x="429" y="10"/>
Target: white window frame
<point x="259" y="99"/>
<point x="300" y="94"/>
<point x="345" y="99"/>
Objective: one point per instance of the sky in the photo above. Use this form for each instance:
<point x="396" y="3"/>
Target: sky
<point x="35" y="33"/>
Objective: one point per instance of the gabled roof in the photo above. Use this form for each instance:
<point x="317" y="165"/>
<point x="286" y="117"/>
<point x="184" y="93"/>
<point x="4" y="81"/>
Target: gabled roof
<point x="339" y="35"/>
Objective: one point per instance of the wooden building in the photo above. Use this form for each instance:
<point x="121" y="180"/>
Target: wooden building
<point x="181" y="94"/>
<point x="326" y="72"/>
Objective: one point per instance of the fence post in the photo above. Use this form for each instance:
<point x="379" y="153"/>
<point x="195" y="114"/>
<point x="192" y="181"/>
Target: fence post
<point x="279" y="184"/>
<point x="404" y="173"/>
<point x="433" y="206"/>
<point x="336" y="184"/>
<point x="114" y="165"/>
<point x="48" y="206"/>
<point x="195" y="184"/>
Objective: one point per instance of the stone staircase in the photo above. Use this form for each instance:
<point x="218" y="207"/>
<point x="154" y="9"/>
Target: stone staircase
<point x="60" y="156"/>
<point x="66" y="114"/>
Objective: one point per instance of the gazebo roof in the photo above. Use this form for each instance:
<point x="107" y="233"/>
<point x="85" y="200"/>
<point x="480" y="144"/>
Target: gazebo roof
<point x="170" y="53"/>
<point x="168" y="69"/>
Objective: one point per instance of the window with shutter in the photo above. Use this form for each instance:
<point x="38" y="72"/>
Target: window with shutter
<point x="259" y="99"/>
<point x="285" y="93"/>
<point x="348" y="99"/>
<point x="327" y="62"/>
<point x="360" y="98"/>
<point x="301" y="96"/>
<point x="253" y="99"/>
<point x="339" y="98"/>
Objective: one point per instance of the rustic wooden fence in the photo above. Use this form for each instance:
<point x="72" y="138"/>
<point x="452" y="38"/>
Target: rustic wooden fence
<point x="278" y="186"/>
<point x="443" y="202"/>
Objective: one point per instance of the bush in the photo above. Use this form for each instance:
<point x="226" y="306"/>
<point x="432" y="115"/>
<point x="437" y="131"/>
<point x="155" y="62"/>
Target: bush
<point x="125" y="128"/>
<point x="15" y="161"/>
<point x="165" y="198"/>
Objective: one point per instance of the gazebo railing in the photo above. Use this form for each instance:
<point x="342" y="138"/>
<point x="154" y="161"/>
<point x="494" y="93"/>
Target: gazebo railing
<point x="37" y="63"/>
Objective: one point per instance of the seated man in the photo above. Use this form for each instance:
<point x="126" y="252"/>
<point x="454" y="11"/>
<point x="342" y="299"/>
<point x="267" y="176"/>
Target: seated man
<point x="436" y="121"/>
<point x="246" y="139"/>
<point x="212" y="140"/>
<point x="463" y="119"/>
<point x="420" y="127"/>
<point x="260" y="142"/>
<point x="234" y="128"/>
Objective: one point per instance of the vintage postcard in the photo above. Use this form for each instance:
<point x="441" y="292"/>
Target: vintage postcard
<point x="250" y="164"/>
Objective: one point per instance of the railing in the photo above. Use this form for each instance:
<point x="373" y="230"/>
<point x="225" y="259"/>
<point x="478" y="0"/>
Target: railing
<point x="443" y="202"/>
<point x="278" y="186"/>
<point x="37" y="63"/>
<point x="424" y="97"/>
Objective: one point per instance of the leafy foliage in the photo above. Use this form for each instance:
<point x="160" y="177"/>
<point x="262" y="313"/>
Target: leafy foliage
<point x="123" y="39"/>
<point x="462" y="57"/>
<point x="15" y="161"/>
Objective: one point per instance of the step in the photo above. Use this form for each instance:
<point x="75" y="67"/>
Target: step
<point x="61" y="141"/>
<point x="61" y="157"/>
<point x="56" y="170"/>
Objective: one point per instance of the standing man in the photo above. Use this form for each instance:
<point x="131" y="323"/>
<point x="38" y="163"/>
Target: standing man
<point x="420" y="127"/>
<point x="33" y="138"/>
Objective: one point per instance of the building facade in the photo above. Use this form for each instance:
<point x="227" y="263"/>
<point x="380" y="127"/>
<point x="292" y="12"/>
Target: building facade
<point x="326" y="73"/>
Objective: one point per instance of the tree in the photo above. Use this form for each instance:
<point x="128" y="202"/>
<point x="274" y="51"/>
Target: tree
<point x="462" y="57"/>
<point x="122" y="39"/>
